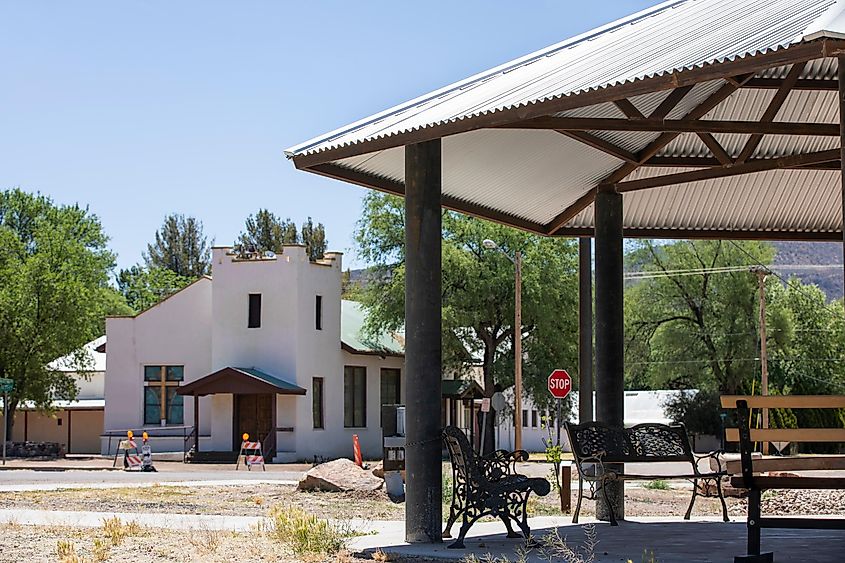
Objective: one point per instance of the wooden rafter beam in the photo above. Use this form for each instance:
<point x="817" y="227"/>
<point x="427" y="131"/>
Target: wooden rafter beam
<point x="716" y="148"/>
<point x="801" y="84"/>
<point x="628" y="109"/>
<point x="762" y="165"/>
<point x="570" y="212"/>
<point x="771" y="111"/>
<point x="670" y="102"/>
<point x="710" y="162"/>
<point x="602" y="145"/>
<point x="678" y="126"/>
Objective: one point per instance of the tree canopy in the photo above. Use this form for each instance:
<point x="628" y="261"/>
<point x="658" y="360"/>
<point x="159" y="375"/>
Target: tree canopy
<point x="181" y="247"/>
<point x="144" y="287"/>
<point x="265" y="231"/>
<point x="478" y="293"/>
<point x="54" y="293"/>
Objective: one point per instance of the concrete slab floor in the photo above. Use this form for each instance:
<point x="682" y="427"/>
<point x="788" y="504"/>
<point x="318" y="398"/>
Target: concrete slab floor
<point x="670" y="540"/>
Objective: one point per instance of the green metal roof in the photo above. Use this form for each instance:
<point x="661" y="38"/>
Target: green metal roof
<point x="352" y="335"/>
<point x="275" y="381"/>
<point x="462" y="389"/>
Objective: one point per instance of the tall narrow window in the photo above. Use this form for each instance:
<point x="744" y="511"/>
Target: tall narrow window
<point x="318" y="312"/>
<point x="317" y="401"/>
<point x="390" y="388"/>
<point x="354" y="397"/>
<point x="254" y="311"/>
<point x="524" y="418"/>
<point x="533" y="419"/>
<point x="161" y="403"/>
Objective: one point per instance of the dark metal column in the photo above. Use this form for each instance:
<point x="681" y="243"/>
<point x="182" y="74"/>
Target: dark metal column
<point x="610" y="345"/>
<point x="585" y="330"/>
<point x="841" y="63"/>
<point x="423" y="512"/>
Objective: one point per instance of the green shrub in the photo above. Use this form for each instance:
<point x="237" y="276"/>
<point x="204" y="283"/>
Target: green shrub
<point x="656" y="485"/>
<point x="306" y="534"/>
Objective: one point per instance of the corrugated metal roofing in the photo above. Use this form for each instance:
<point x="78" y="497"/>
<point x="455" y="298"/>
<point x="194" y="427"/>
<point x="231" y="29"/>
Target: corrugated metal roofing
<point x="669" y="37"/>
<point x="352" y="319"/>
<point x="535" y="175"/>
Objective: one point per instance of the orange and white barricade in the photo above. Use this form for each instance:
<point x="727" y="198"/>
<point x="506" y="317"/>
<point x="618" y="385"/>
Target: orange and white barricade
<point x="251" y="454"/>
<point x="131" y="453"/>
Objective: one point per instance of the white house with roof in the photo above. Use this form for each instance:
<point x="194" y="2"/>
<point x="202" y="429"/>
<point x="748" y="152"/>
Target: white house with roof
<point x="76" y="425"/>
<point x="265" y="347"/>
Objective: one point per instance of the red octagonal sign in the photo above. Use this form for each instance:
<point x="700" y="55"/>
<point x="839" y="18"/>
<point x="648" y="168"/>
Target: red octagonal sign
<point x="560" y="384"/>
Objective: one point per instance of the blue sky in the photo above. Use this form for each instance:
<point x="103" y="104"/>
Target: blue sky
<point x="142" y="108"/>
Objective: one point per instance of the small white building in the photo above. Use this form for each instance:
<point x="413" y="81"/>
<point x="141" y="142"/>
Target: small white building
<point x="265" y="347"/>
<point x="76" y="425"/>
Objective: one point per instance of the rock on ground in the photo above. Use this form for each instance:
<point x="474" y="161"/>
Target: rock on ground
<point x="339" y="475"/>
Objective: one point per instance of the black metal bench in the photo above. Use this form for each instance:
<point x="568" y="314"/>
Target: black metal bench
<point x="597" y="448"/>
<point x="752" y="473"/>
<point x="488" y="486"/>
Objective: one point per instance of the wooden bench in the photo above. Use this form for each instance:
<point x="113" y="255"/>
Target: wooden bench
<point x="750" y="473"/>
<point x="488" y="486"/>
<point x="597" y="448"/>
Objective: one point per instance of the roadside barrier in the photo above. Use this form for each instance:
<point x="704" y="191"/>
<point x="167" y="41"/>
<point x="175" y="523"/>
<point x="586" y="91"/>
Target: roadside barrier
<point x="131" y="454"/>
<point x="356" y="450"/>
<point x="250" y="453"/>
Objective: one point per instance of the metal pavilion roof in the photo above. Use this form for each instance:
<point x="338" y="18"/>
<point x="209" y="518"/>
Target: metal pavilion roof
<point x="529" y="142"/>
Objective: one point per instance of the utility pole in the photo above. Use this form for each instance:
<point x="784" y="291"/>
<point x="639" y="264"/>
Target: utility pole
<point x="764" y="357"/>
<point x="517" y="347"/>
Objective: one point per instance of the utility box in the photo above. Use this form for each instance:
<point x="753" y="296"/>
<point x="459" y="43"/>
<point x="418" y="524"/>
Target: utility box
<point x="393" y="441"/>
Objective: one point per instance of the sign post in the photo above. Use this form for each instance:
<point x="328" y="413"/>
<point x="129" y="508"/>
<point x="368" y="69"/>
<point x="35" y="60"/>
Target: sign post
<point x="560" y="384"/>
<point x="6" y="385"/>
<point x="485" y="408"/>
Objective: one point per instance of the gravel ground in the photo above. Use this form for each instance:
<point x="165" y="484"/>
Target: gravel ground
<point x="86" y="545"/>
<point x="255" y="500"/>
<point x="795" y="502"/>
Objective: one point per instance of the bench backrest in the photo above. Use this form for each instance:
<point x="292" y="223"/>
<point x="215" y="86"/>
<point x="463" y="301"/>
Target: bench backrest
<point x="640" y="443"/>
<point x="747" y="436"/>
<point x="786" y="402"/>
<point x="464" y="463"/>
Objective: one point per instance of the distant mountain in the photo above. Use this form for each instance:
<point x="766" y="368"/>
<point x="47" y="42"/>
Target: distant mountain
<point x="814" y="256"/>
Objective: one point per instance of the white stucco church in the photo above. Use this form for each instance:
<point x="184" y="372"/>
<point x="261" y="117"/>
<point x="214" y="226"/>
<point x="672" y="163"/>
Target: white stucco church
<point x="267" y="347"/>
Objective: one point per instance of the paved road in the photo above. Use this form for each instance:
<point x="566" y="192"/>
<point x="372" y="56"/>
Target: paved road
<point x="49" y="477"/>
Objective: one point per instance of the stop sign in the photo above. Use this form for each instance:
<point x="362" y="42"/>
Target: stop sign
<point x="560" y="384"/>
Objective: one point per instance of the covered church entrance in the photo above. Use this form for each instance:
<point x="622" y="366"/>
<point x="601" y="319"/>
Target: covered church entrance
<point x="253" y="415"/>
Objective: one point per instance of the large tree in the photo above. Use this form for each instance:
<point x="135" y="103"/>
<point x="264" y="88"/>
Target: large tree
<point x="693" y="323"/>
<point x="180" y="246"/>
<point x="54" y="294"/>
<point x="478" y="294"/>
<point x="265" y="231"/>
<point x="144" y="287"/>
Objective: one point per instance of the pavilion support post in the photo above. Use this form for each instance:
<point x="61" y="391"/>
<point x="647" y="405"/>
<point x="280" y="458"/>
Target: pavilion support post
<point x="423" y="512"/>
<point x="585" y="330"/>
<point x="610" y="345"/>
<point x="841" y="75"/>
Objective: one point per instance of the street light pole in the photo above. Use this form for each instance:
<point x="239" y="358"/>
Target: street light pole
<point x="764" y="356"/>
<point x="517" y="347"/>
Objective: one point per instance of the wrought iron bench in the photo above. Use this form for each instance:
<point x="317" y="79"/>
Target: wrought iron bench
<point x="751" y="473"/>
<point x="488" y="486"/>
<point x="597" y="448"/>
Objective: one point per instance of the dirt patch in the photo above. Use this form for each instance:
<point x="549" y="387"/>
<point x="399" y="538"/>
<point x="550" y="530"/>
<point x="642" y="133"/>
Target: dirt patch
<point x="78" y="545"/>
<point x="255" y="500"/>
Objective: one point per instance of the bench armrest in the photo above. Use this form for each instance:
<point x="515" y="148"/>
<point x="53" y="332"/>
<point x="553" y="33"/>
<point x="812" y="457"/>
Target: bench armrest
<point x="715" y="455"/>
<point x="501" y="463"/>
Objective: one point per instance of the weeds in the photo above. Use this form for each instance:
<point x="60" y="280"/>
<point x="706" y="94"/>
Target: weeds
<point x="66" y="552"/>
<point x="656" y="485"/>
<point x="101" y="550"/>
<point x="206" y="541"/>
<point x="116" y="531"/>
<point x="306" y="534"/>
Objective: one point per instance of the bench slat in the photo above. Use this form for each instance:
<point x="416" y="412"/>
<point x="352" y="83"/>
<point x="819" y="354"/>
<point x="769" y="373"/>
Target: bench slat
<point x="789" y="434"/>
<point x="765" y="482"/>
<point x="786" y="401"/>
<point x="795" y="463"/>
